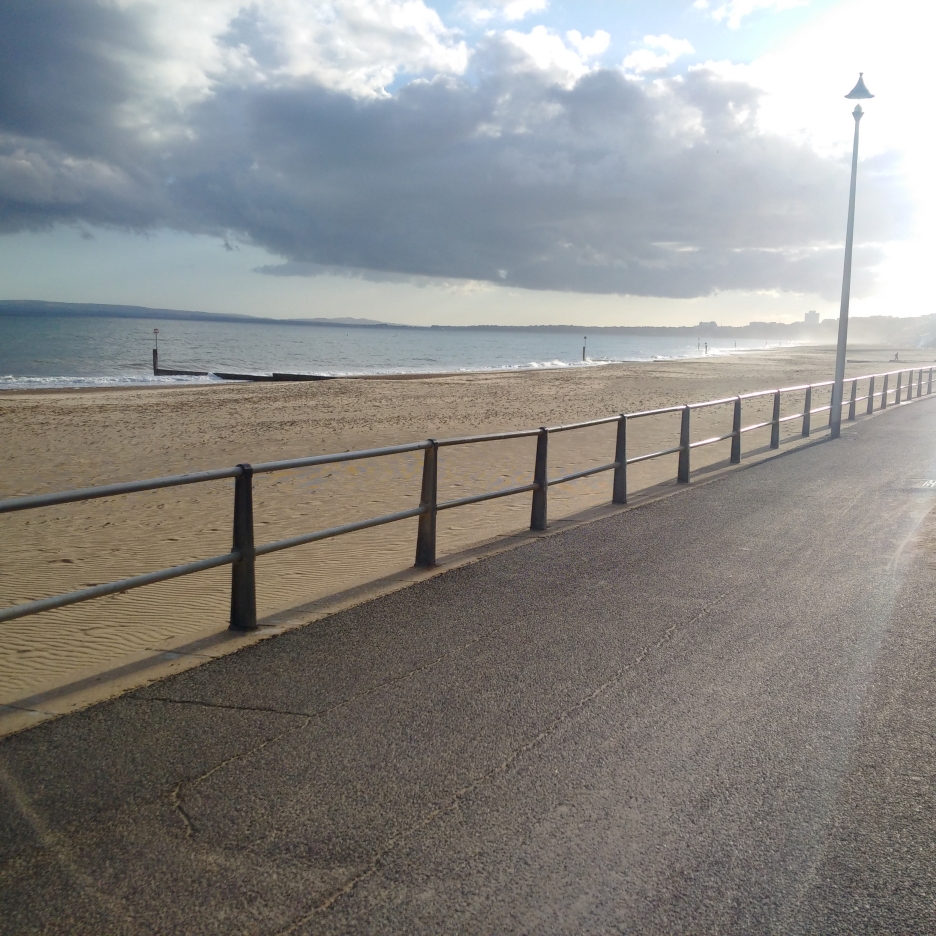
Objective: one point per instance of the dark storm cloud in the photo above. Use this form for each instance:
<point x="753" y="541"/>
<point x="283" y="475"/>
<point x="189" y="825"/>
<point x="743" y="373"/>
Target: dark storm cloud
<point x="611" y="185"/>
<point x="64" y="154"/>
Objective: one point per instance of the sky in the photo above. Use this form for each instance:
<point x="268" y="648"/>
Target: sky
<point x="602" y="162"/>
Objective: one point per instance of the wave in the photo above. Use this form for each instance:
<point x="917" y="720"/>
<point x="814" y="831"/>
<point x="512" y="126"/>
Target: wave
<point x="14" y="382"/>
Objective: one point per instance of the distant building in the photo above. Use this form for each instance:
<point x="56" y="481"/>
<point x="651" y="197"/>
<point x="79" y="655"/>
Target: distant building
<point x="812" y="318"/>
<point x="708" y="324"/>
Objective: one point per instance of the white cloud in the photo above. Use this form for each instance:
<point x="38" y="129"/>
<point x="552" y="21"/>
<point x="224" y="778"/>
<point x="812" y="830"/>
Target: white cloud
<point x="589" y="46"/>
<point x="546" y="51"/>
<point x="659" y="52"/>
<point x="510" y="11"/>
<point x="354" y="46"/>
<point x="734" y="11"/>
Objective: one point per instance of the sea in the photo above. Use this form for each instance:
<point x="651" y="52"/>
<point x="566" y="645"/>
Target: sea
<point x="39" y="352"/>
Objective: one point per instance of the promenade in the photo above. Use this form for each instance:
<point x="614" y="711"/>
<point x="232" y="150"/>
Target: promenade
<point x="712" y="713"/>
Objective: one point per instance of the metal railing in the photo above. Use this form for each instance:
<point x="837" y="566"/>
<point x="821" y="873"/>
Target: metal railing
<point x="244" y="552"/>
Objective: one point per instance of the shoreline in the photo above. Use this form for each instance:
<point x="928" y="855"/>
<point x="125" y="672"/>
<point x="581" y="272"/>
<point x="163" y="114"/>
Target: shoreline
<point x="429" y="375"/>
<point x="489" y="372"/>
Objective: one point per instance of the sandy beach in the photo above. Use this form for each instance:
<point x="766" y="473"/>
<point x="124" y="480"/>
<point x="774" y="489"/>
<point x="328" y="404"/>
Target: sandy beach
<point x="65" y="439"/>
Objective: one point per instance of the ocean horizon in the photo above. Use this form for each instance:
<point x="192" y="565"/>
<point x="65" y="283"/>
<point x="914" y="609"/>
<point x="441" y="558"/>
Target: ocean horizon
<point x="49" y="351"/>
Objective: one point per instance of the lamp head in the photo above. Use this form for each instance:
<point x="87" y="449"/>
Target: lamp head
<point x="860" y="91"/>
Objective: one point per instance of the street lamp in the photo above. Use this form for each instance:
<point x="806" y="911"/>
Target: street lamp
<point x="835" y="416"/>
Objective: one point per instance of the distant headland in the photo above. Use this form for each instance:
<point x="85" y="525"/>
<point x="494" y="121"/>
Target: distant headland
<point x="37" y="307"/>
<point x="918" y="331"/>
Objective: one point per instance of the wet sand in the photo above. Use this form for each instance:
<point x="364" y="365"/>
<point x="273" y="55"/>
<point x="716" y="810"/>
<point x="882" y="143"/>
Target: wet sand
<point x="56" y="440"/>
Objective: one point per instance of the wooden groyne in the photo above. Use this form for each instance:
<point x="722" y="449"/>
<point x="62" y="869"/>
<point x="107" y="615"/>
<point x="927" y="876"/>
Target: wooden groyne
<point x="225" y="375"/>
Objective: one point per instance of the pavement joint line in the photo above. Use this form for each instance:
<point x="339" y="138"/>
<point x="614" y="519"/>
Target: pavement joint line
<point x="456" y="797"/>
<point x="177" y="654"/>
<point x="225" y="707"/>
<point x="24" y="708"/>
<point x="425" y="667"/>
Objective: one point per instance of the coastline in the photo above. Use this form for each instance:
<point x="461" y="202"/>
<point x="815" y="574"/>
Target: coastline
<point x="916" y="355"/>
<point x="60" y="439"/>
<point x="494" y="370"/>
<point x="410" y="375"/>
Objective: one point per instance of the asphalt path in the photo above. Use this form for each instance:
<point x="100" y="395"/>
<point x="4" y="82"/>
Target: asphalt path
<point x="711" y="714"/>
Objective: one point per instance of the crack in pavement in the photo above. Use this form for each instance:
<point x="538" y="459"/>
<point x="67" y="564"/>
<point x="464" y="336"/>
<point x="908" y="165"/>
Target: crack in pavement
<point x="175" y="796"/>
<point x="460" y="794"/>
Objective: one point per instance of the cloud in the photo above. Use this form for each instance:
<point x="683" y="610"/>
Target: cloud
<point x="545" y="52"/>
<point x="589" y="46"/>
<point x="734" y="11"/>
<point x="509" y="11"/>
<point x="667" y="51"/>
<point x="532" y="168"/>
<point x="356" y="46"/>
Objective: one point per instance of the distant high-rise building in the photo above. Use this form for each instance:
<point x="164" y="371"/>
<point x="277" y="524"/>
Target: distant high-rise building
<point x="812" y="318"/>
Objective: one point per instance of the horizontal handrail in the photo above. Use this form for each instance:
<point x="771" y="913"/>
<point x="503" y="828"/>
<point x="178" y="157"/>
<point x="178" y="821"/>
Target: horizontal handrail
<point x="111" y="490"/>
<point x="721" y="438"/>
<point x="656" y="412"/>
<point x="243" y="554"/>
<point x="488" y="437"/>
<point x="113" y="588"/>
<point x="759" y="425"/>
<point x="649" y="455"/>
<point x="583" y="474"/>
<point x="304" y="538"/>
<point x="712" y="403"/>
<point x="583" y="425"/>
<point x="291" y="463"/>
<point x="491" y="495"/>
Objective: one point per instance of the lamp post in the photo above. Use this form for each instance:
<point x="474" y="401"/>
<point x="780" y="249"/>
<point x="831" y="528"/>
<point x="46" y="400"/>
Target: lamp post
<point x="835" y="415"/>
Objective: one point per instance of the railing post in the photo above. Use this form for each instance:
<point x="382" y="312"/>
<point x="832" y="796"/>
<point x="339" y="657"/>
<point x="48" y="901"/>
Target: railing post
<point x="897" y="391"/>
<point x="775" y="420"/>
<point x="832" y="405"/>
<point x="619" y="489"/>
<point x="870" y="408"/>
<point x="243" y="572"/>
<point x="736" y="433"/>
<point x="807" y="412"/>
<point x="920" y="384"/>
<point x="851" y="402"/>
<point x="884" y="392"/>
<point x="428" y="498"/>
<point x="541" y="480"/>
<point x="682" y="472"/>
<point x="929" y="385"/>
